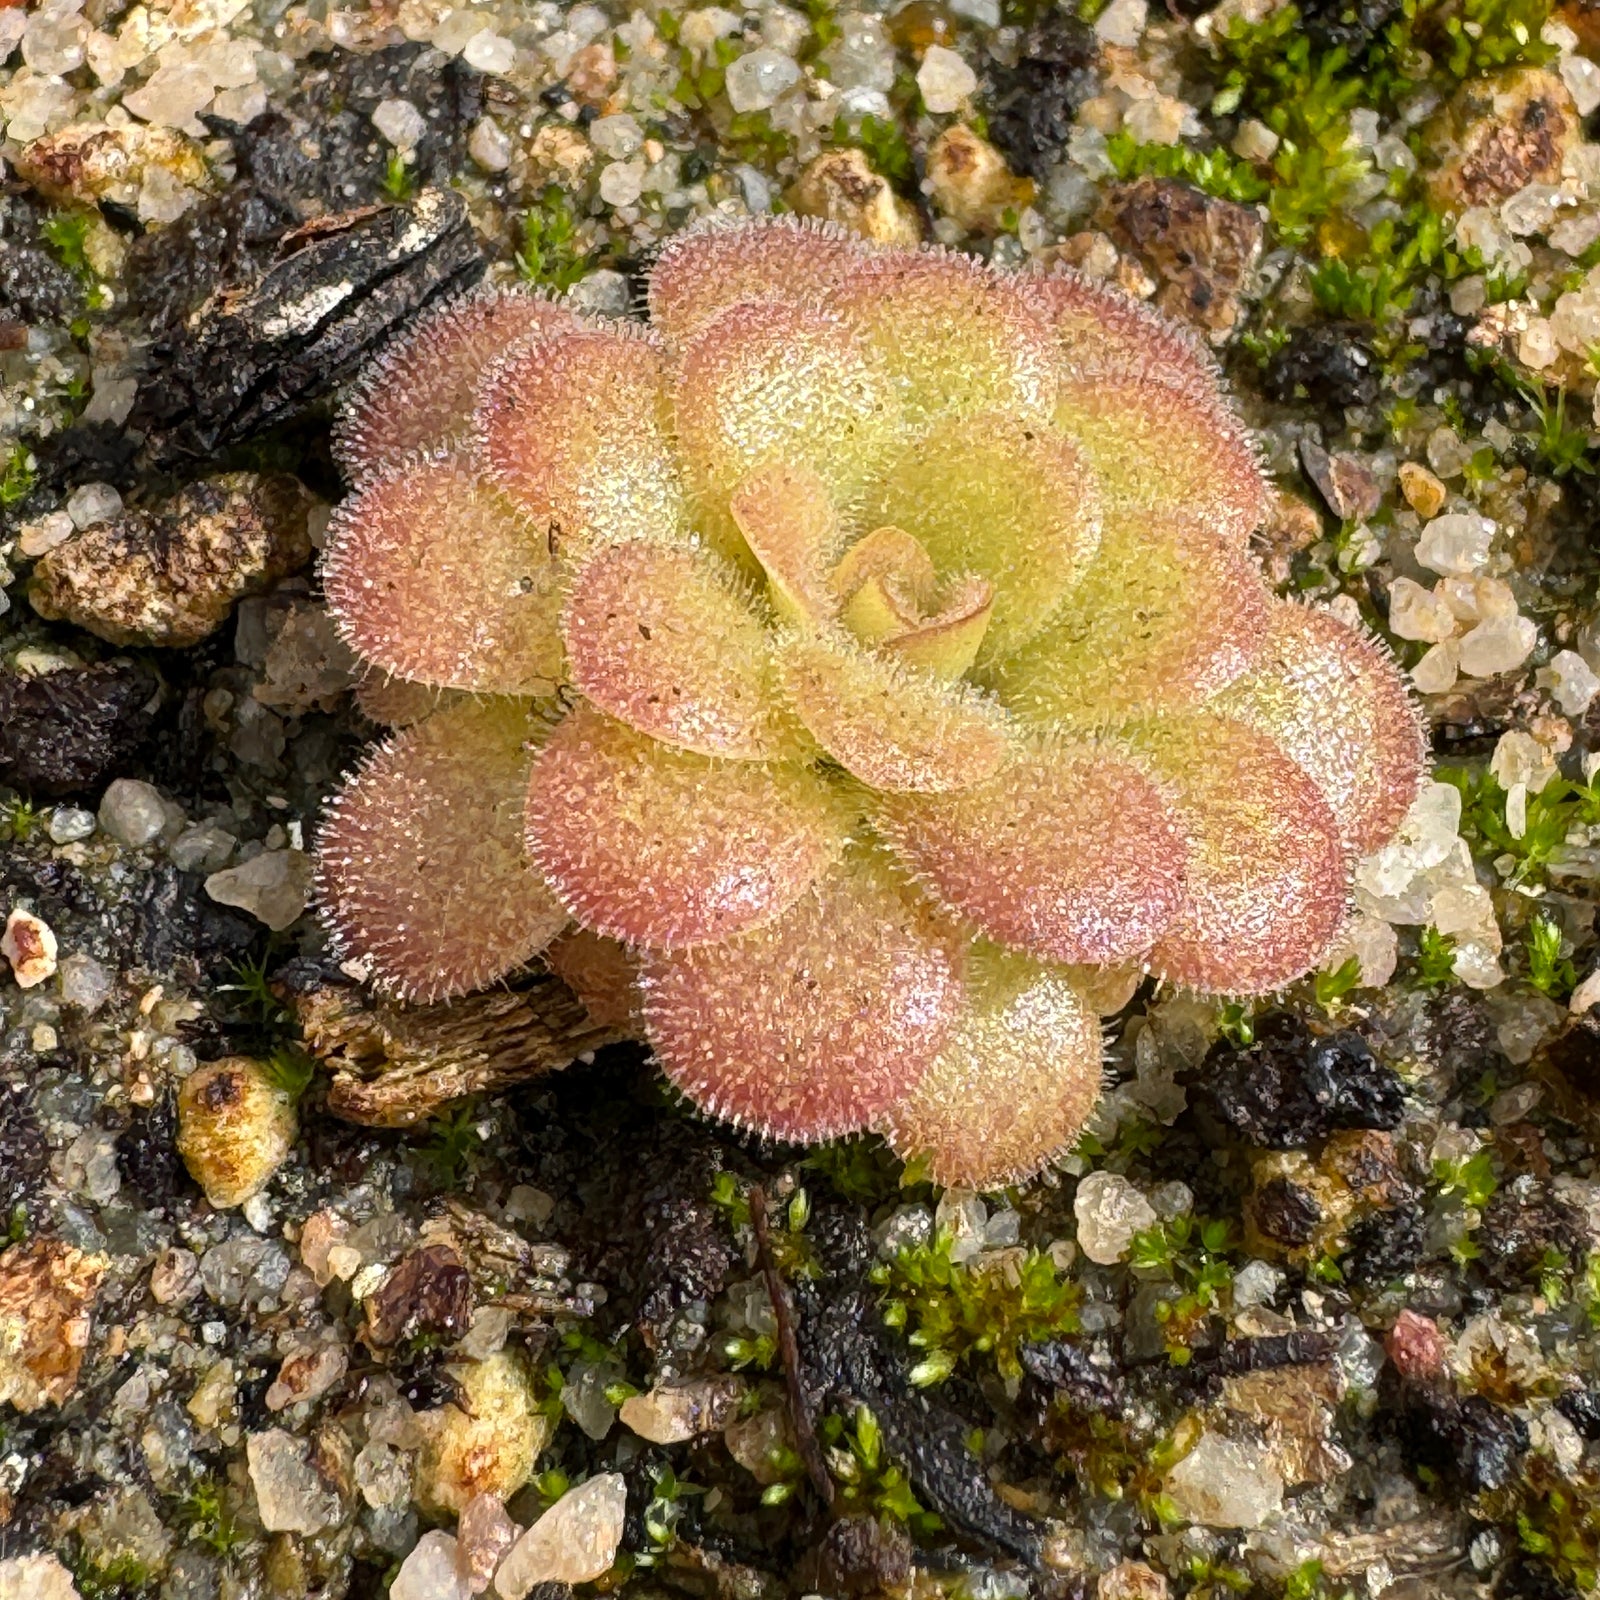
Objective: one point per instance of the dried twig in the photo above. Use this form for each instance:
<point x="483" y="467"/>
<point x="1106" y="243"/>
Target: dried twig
<point x="783" y="1313"/>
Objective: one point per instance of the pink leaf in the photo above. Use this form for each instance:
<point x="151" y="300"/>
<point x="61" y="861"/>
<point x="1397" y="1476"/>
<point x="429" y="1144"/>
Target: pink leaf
<point x="787" y="518"/>
<point x="420" y="863"/>
<point x="575" y="431"/>
<point x="661" y="637"/>
<point x="1014" y="1084"/>
<point x="603" y="974"/>
<point x="701" y="272"/>
<point x="1101" y="332"/>
<point x="892" y="726"/>
<point x="656" y="846"/>
<point x="1168" y="613"/>
<point x="1163" y="451"/>
<point x="1070" y="852"/>
<point x="1267" y="885"/>
<point x="419" y="393"/>
<point x="959" y="337"/>
<point x="397" y="702"/>
<point x="434" y="579"/>
<point x="811" y="1026"/>
<point x="1334" y="699"/>
<point x="769" y="383"/>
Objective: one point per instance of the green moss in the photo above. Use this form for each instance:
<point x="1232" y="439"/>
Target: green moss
<point x="1549" y="970"/>
<point x="1435" y="963"/>
<point x="1558" y="1523"/>
<point x="959" y="1311"/>
<point x="211" y="1520"/>
<point x="1136" y="1137"/>
<point x="1554" y="812"/>
<point x="750" y="136"/>
<point x="453" y="1147"/>
<point x="1192" y="1254"/>
<point x="18" y="477"/>
<point x="259" y="1006"/>
<point x="20" y="820"/>
<point x="1467" y="38"/>
<point x="1213" y="171"/>
<point x="867" y="1479"/>
<point x="1471" y="1179"/>
<point x="1211" y="1578"/>
<point x="1235" y="1022"/>
<point x="550" y="254"/>
<point x="1332" y="987"/>
<point x="861" y="1169"/>
<point x="123" y="1577"/>
<point x="289" y="1069"/>
<point x="66" y="232"/>
<point x="1319" y="177"/>
<point x="1468" y="1183"/>
<point x="661" y="1514"/>
<point x="884" y="143"/>
<point x="1308" y="1582"/>
<point x="399" y="182"/>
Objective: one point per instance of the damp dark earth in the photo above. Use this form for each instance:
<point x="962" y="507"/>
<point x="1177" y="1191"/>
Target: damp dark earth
<point x="308" y="1293"/>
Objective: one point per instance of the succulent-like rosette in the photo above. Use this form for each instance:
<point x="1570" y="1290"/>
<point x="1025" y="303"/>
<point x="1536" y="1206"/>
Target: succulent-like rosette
<point x="868" y="651"/>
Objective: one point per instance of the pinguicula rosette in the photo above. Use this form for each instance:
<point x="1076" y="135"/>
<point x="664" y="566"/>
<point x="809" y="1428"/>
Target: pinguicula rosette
<point x="870" y="647"/>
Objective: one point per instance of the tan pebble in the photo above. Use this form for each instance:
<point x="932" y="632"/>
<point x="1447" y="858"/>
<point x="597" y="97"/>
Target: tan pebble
<point x="840" y="186"/>
<point x="47" y="1295"/>
<point x="235" y="1127"/>
<point x="1424" y="493"/>
<point x="971" y="182"/>
<point x="489" y="1447"/>
<point x="1131" y="1580"/>
<point x="322" y="1233"/>
<point x="674" y="1412"/>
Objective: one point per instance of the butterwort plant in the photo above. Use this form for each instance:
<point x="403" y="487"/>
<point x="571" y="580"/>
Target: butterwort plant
<point x="863" y="662"/>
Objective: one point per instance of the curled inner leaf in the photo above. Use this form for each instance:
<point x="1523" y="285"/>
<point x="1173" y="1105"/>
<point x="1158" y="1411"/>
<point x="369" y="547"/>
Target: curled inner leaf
<point x="657" y="846"/>
<point x="948" y="643"/>
<point x="893" y="565"/>
<point x="1007" y="501"/>
<point x="787" y="518"/>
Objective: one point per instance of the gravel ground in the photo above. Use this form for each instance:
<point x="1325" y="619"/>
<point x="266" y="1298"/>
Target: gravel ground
<point x="1311" y="1312"/>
